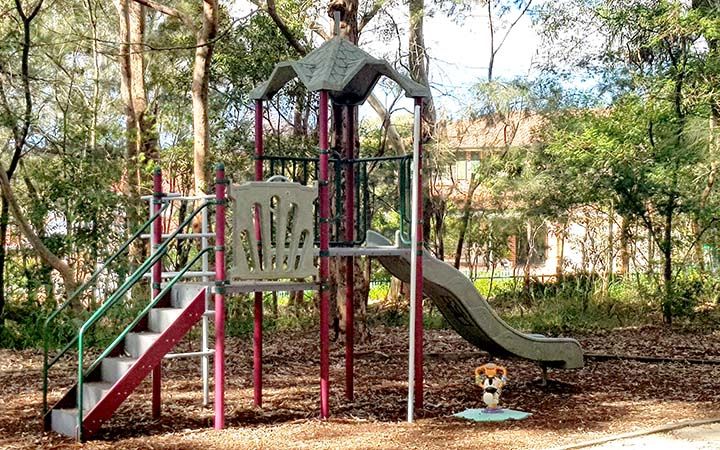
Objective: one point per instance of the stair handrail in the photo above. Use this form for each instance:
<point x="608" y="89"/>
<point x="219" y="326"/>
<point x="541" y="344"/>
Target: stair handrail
<point x="83" y="373"/>
<point x="91" y="280"/>
<point x="121" y="291"/>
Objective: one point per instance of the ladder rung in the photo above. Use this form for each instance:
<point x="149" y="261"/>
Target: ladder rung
<point x="182" y="235"/>
<point x="187" y="274"/>
<point x="189" y="354"/>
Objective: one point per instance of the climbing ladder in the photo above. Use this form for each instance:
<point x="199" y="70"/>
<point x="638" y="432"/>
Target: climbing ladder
<point x="174" y="307"/>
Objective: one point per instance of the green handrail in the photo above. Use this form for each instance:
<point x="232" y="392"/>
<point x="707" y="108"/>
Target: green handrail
<point x="118" y="294"/>
<point x="46" y="345"/>
<point x="147" y="308"/>
<point x="404" y="201"/>
<point x="122" y="335"/>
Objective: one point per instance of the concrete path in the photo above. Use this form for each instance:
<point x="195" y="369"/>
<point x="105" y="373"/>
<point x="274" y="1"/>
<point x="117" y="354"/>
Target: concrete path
<point x="703" y="437"/>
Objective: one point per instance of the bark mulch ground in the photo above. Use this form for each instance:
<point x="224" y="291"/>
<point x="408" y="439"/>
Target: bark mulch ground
<point x="605" y="397"/>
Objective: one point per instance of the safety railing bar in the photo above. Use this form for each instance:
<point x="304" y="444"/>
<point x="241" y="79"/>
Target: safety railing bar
<point x="121" y="337"/>
<point x="119" y="293"/>
<point x="164" y="195"/>
<point x="375" y="159"/>
<point x="182" y="235"/>
<point x="77" y="292"/>
<point x="189" y="354"/>
<point x="147" y="308"/>
<point x="334" y="160"/>
<point x="113" y="298"/>
<point x="190" y="274"/>
<point x="173" y="196"/>
<point x="288" y="158"/>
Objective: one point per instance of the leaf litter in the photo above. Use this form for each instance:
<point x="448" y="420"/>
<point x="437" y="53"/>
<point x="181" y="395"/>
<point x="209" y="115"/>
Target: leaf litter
<point x="605" y="397"/>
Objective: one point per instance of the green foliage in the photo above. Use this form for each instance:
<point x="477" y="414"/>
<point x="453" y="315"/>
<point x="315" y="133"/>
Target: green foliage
<point x="378" y="290"/>
<point x="574" y="304"/>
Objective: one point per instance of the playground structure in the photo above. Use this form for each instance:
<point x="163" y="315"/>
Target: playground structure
<point x="283" y="240"/>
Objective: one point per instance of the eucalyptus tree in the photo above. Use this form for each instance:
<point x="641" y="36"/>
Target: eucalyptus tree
<point x="16" y="101"/>
<point x="651" y="151"/>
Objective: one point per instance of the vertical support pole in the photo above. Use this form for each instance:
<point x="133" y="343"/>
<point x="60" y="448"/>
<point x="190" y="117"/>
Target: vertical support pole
<point x="156" y="238"/>
<point x="205" y="359"/>
<point x="258" y="304"/>
<point x="419" y="327"/>
<point x="324" y="259"/>
<point x="349" y="260"/>
<point x="415" y="353"/>
<point x="220" y="297"/>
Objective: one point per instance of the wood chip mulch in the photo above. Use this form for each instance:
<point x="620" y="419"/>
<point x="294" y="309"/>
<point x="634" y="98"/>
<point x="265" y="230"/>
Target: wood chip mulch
<point x="605" y="397"/>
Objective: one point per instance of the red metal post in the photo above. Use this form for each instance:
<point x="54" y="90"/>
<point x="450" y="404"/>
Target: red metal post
<point x="220" y="199"/>
<point x="324" y="260"/>
<point x="156" y="239"/>
<point x="419" y="375"/>
<point x="349" y="260"/>
<point x="258" y="305"/>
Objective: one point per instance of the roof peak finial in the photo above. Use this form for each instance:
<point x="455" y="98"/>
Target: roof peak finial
<point x="337" y="19"/>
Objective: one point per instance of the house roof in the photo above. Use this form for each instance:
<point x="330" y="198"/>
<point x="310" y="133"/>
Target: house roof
<point x="340" y="67"/>
<point x="494" y="131"/>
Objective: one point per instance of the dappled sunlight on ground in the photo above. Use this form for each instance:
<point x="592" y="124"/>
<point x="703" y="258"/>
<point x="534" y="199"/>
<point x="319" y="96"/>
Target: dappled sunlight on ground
<point x="604" y="397"/>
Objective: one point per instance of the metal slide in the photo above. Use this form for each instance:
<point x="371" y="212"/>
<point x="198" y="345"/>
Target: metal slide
<point x="472" y="317"/>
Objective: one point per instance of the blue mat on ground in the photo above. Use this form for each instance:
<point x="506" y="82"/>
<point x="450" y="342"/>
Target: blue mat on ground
<point x="492" y="415"/>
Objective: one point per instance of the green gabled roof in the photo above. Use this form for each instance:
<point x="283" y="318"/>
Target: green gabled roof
<point x="340" y="67"/>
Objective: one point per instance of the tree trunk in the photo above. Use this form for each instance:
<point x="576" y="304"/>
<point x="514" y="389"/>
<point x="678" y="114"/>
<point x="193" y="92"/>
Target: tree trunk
<point x="465" y="221"/>
<point x="529" y="236"/>
<point x="92" y="18"/>
<point x="20" y="132"/>
<point x="417" y="60"/>
<point x="4" y="222"/>
<point x="346" y="145"/>
<point x="610" y="250"/>
<point x="397" y="293"/>
<point x="200" y="83"/>
<point x="624" y="244"/>
<point x="439" y="228"/>
<point x="43" y="252"/>
<point x="667" y="264"/>
<point x="560" y="256"/>
<point x="131" y="31"/>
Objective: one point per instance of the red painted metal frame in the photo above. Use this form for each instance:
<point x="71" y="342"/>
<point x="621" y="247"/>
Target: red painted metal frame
<point x="258" y="303"/>
<point x="105" y="408"/>
<point x="349" y="260"/>
<point x="324" y="260"/>
<point x="419" y="375"/>
<point x="220" y="198"/>
<point x="156" y="237"/>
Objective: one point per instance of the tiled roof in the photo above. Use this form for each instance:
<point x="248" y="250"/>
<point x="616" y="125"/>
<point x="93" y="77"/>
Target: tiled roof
<point x="490" y="131"/>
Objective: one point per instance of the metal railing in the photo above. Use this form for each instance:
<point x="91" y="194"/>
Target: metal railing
<point x="47" y="363"/>
<point x="304" y="170"/>
<point x="119" y="294"/>
<point x="205" y="274"/>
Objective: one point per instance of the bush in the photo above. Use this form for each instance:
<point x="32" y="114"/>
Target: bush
<point x="691" y="290"/>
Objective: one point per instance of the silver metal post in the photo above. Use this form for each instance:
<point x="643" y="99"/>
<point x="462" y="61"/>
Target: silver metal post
<point x="413" y="265"/>
<point x="153" y="244"/>
<point x="205" y="362"/>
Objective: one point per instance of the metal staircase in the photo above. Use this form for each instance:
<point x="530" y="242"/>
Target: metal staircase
<point x="109" y="382"/>
<point x="173" y="308"/>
